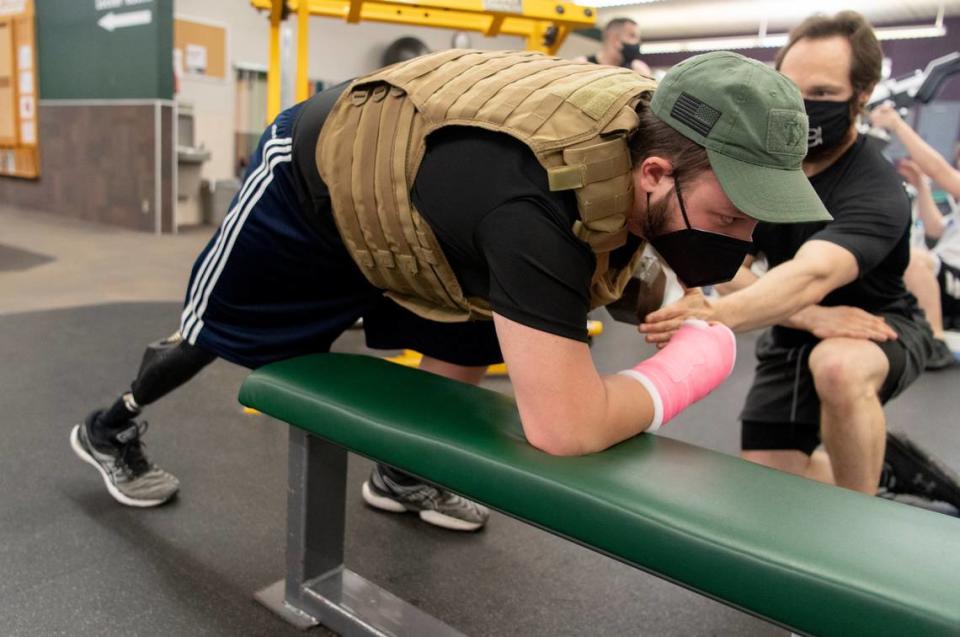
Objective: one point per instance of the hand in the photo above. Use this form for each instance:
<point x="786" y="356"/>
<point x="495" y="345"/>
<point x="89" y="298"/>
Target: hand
<point x="660" y="326"/>
<point x="911" y="172"/>
<point x="843" y="321"/>
<point x="885" y="115"/>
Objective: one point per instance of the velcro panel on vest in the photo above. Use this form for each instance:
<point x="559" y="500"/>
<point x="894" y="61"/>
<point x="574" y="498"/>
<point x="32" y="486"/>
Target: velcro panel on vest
<point x="337" y="134"/>
<point x="566" y="123"/>
<point x="422" y="242"/>
<point x="363" y="185"/>
<point x="391" y="199"/>
<point x="461" y="97"/>
<point x="480" y="101"/>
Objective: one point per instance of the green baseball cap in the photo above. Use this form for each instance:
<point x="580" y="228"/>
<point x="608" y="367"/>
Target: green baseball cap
<point x="751" y="120"/>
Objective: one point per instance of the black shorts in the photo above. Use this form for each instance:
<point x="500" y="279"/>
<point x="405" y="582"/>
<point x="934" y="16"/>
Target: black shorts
<point x="473" y="344"/>
<point x="949" y="280"/>
<point x="782" y="409"/>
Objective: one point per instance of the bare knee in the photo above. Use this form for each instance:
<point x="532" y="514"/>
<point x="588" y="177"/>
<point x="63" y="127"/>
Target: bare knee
<point x="846" y="369"/>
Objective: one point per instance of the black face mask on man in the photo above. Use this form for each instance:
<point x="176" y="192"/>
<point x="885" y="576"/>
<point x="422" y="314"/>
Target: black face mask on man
<point x="629" y="53"/>
<point x="829" y="123"/>
<point x="699" y="257"/>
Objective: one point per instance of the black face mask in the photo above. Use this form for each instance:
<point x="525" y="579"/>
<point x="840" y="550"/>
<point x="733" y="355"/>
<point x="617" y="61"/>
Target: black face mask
<point x="829" y="123"/>
<point x="629" y="52"/>
<point x="699" y="257"/>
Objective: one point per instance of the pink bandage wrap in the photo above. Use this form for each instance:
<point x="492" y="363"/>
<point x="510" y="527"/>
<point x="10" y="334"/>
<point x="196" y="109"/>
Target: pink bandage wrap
<point x="697" y="359"/>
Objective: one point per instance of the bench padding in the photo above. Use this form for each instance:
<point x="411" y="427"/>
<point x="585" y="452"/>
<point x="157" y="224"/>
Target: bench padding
<point x="815" y="558"/>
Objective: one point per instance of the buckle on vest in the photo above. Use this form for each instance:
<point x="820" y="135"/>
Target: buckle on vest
<point x="566" y="177"/>
<point x="358" y="97"/>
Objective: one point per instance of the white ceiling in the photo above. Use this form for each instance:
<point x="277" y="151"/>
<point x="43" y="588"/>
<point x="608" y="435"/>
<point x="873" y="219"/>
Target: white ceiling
<point x="672" y="19"/>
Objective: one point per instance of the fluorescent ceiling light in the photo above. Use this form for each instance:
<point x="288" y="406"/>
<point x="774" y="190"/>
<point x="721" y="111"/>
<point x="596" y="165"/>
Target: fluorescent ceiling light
<point x="775" y="40"/>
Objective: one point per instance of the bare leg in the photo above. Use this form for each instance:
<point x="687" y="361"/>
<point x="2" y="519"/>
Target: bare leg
<point x="848" y="374"/>
<point x="814" y="467"/>
<point x="921" y="281"/>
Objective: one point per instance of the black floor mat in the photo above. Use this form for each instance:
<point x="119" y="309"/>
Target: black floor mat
<point x="14" y="259"/>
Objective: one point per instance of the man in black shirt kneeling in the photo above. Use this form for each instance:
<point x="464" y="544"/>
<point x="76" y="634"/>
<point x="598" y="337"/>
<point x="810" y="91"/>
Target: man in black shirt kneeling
<point x="846" y="336"/>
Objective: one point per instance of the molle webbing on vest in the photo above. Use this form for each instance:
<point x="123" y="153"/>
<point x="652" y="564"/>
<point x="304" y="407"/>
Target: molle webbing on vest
<point x="574" y="117"/>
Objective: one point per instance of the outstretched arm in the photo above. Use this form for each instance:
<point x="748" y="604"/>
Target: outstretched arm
<point x="928" y="159"/>
<point x="818" y="268"/>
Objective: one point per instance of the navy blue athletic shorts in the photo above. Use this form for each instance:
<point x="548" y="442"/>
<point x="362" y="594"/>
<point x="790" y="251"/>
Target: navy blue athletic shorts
<point x="276" y="281"/>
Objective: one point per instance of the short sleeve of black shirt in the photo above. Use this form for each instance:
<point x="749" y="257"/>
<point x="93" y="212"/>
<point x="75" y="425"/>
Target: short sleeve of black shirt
<point x="507" y="237"/>
<point x="871" y="219"/>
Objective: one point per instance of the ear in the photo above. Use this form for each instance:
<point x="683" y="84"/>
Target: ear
<point x="863" y="97"/>
<point x="651" y="172"/>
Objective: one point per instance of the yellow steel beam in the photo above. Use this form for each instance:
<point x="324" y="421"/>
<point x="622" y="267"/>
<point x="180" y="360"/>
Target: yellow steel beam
<point x="303" y="50"/>
<point x="520" y="17"/>
<point x="533" y="20"/>
<point x="273" y="69"/>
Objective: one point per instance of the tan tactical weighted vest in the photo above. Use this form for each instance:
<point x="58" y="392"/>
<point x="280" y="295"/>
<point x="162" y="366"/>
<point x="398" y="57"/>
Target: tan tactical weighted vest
<point x="575" y="118"/>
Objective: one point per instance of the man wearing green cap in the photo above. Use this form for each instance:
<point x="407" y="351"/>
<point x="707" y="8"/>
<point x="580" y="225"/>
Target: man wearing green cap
<point x="470" y="185"/>
<point x="846" y="335"/>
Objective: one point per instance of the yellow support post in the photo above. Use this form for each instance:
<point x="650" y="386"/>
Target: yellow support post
<point x="535" y="41"/>
<point x="273" y="69"/>
<point x="303" y="51"/>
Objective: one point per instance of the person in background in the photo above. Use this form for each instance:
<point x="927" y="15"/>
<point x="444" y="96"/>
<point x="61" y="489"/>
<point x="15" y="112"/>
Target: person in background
<point x="621" y="47"/>
<point x="933" y="275"/>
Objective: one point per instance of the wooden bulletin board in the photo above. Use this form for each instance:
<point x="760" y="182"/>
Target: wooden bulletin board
<point x="200" y="48"/>
<point x="18" y="91"/>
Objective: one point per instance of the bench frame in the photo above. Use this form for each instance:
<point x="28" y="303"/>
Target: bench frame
<point x="318" y="588"/>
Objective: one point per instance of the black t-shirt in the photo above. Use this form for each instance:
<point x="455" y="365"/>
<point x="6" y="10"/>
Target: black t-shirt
<point x="508" y="238"/>
<point x="871" y="219"/>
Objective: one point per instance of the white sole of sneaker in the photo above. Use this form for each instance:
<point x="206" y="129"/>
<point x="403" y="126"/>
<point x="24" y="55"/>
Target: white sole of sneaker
<point x="117" y="495"/>
<point x="430" y="517"/>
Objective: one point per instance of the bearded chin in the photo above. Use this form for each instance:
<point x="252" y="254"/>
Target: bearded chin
<point x="655" y="221"/>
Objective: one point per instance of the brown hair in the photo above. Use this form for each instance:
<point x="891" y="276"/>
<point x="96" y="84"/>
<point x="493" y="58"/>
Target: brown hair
<point x="867" y="56"/>
<point x="617" y="23"/>
<point x="656" y="138"/>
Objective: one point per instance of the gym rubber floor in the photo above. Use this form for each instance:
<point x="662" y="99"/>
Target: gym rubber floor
<point x="72" y="561"/>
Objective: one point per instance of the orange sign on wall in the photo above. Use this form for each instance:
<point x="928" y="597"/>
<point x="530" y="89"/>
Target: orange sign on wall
<point x="18" y="90"/>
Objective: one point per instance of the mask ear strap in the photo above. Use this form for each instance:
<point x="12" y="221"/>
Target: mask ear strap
<point x="683" y="209"/>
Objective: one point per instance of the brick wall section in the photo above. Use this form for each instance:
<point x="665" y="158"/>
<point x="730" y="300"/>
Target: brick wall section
<point x="96" y="163"/>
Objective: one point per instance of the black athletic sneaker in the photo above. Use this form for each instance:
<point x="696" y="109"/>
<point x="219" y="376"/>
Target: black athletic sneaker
<point x="941" y="357"/>
<point x="130" y="478"/>
<point x="435" y="506"/>
<point x="909" y="470"/>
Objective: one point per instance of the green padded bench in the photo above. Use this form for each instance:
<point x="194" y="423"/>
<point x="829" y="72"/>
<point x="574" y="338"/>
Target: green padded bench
<point x="815" y="559"/>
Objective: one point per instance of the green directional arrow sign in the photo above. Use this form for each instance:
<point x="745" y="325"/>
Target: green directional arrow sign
<point x="105" y="49"/>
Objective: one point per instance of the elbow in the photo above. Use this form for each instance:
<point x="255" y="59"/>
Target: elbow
<point x="558" y="438"/>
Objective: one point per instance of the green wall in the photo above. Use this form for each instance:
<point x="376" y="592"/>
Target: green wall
<point x="105" y="49"/>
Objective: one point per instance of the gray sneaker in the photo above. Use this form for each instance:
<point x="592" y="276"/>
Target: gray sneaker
<point x="435" y="506"/>
<point x="130" y="478"/>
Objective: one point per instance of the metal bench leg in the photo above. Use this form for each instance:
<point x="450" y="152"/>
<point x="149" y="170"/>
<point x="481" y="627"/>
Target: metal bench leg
<point x="318" y="589"/>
